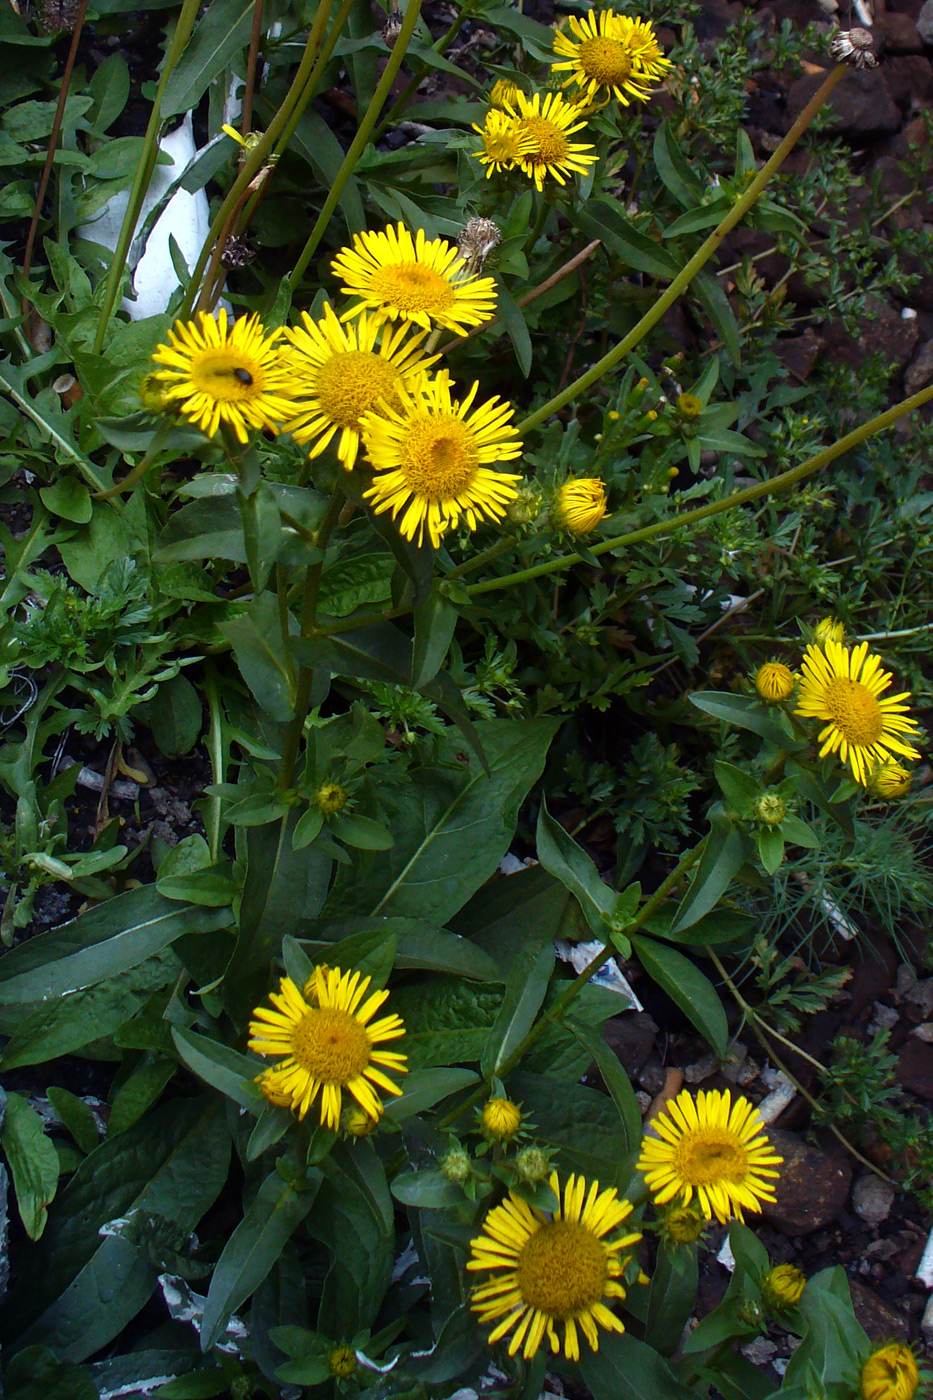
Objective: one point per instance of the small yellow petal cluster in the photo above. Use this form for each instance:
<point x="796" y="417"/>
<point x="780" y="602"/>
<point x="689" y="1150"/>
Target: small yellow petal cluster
<point x="782" y="1286"/>
<point x="774" y="682"/>
<point x="500" y="1120"/>
<point x="890" y="1373"/>
<point x="579" y="505"/>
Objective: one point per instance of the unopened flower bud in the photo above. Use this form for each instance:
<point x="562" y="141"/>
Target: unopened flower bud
<point x="356" y="1122"/>
<point x="342" y="1361"/>
<point x="774" y="682"/>
<point x="683" y="1224"/>
<point x="153" y="395"/>
<point x="503" y="93"/>
<point x="331" y="798"/>
<point x="890" y="1373"/>
<point x="579" y="505"/>
<point x="689" y="406"/>
<point x="532" y="1164"/>
<point x="456" y="1165"/>
<point x="771" y="809"/>
<point x="783" y="1286"/>
<point x="526" y="507"/>
<point x="500" y="1120"/>
<point x="829" y="629"/>
<point x="890" y="781"/>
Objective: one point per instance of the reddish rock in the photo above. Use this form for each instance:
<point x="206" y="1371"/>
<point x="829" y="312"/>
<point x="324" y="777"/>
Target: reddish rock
<point x="862" y="105"/>
<point x="798" y="353"/>
<point x="915" y="1067"/>
<point x="882" y="1322"/>
<point x="813" y="1187"/>
<point x="919" y="373"/>
<point x="909" y="79"/>
<point x="898" y="34"/>
<point x="631" y="1037"/>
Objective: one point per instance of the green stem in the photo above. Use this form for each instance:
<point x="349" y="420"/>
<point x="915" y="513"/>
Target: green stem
<point x="687" y="273"/>
<point x="150" y="151"/>
<point x="215" y="748"/>
<point x="308" y="615"/>
<point x="574" y="988"/>
<point x="782" y="482"/>
<point x="485" y="556"/>
<point x="311" y="86"/>
<point x="151" y="453"/>
<point x="255" y="158"/>
<point x="361" y="139"/>
<point x="440" y="46"/>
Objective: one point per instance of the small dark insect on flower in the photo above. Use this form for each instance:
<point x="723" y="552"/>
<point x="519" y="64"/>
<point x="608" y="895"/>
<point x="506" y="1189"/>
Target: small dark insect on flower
<point x="243" y="375"/>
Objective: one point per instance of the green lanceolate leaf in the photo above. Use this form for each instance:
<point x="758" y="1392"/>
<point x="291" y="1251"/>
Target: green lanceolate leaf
<point x="269" y="1223"/>
<point x="435" y="621"/>
<point x="727" y="848"/>
<point x="627" y="1369"/>
<point x="614" y="1078"/>
<point x="220" y="1066"/>
<point x="671" y="1297"/>
<point x="745" y="713"/>
<point x="257" y="646"/>
<point x="355" y="1219"/>
<point x="524" y="994"/>
<point x="81" y="1288"/>
<point x="569" y="863"/>
<point x="452" y="825"/>
<point x="33" y="1163"/>
<point x="686" y="985"/>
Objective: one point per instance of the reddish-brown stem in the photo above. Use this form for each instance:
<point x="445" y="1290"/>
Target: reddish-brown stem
<point x="255" y="39"/>
<point x="53" y="142"/>
<point x="531" y="296"/>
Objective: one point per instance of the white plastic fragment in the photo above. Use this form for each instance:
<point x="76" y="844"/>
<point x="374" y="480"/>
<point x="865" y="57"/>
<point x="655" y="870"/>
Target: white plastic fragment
<point x="926" y="1322"/>
<point x="186" y="219"/>
<point x="782" y="1094"/>
<point x="924" y="1270"/>
<point x="184" y="1305"/>
<point x="512" y="865"/>
<point x="580" y="955"/>
<point x="843" y="926"/>
<point x="725" y="1257"/>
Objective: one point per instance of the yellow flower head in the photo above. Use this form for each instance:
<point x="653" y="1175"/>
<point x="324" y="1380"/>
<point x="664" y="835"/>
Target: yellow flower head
<point x="356" y="1122"/>
<point x="683" y="1224"/>
<point x="843" y="687"/>
<point x="342" y="1361"/>
<point x="503" y="92"/>
<point x="783" y="1286"/>
<point x="339" y="373"/>
<point x="272" y="1091"/>
<point x="774" y="682"/>
<point x="610" y="54"/>
<point x="689" y="406"/>
<point x="712" y="1149"/>
<point x="505" y="142"/>
<point x="549" y="121"/>
<point x="219" y="374"/>
<point x="431" y="457"/>
<point x="890" y="781"/>
<point x="153" y="394"/>
<point x="500" y="1120"/>
<point x="421" y="280"/>
<point x="579" y="505"/>
<point x="829" y="629"/>
<point x="554" y="1271"/>
<point x="326" y="1040"/>
<point x="890" y="1374"/>
<point x="331" y="798"/>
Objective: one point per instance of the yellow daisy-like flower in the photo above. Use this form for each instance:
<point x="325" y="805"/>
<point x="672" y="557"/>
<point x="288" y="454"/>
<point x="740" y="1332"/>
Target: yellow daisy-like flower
<point x="219" y="374"/>
<point x="783" y="1286"/>
<point x="610" y="53"/>
<point x="552" y="1271"/>
<point x="579" y="505"/>
<point x="549" y="121"/>
<point x="326" y="1037"/>
<point x="421" y="280"/>
<point x="504" y="142"/>
<point x="339" y="373"/>
<point x="432" y="460"/>
<point x="774" y="682"/>
<point x="842" y="687"/>
<point x="890" y="1374"/>
<point x="712" y="1149"/>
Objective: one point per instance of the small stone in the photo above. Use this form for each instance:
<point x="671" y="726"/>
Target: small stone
<point x="760" y="1352"/>
<point x="925" y="23"/>
<point x="811" y="1190"/>
<point x="861" y="103"/>
<point x="872" y="1199"/>
<point x="917" y="376"/>
<point x="909" y="79"/>
<point x="631" y="1038"/>
<point x="704" y="1068"/>
<point x="915" y="1068"/>
<point x="884" y="1019"/>
<point x="899" y="34"/>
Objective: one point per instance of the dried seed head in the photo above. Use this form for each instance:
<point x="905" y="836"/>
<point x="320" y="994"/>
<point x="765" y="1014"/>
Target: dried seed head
<point x="55" y="15"/>
<point x="478" y="238"/>
<point x="237" y="254"/>
<point x="854" y="47"/>
<point x="391" y="30"/>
